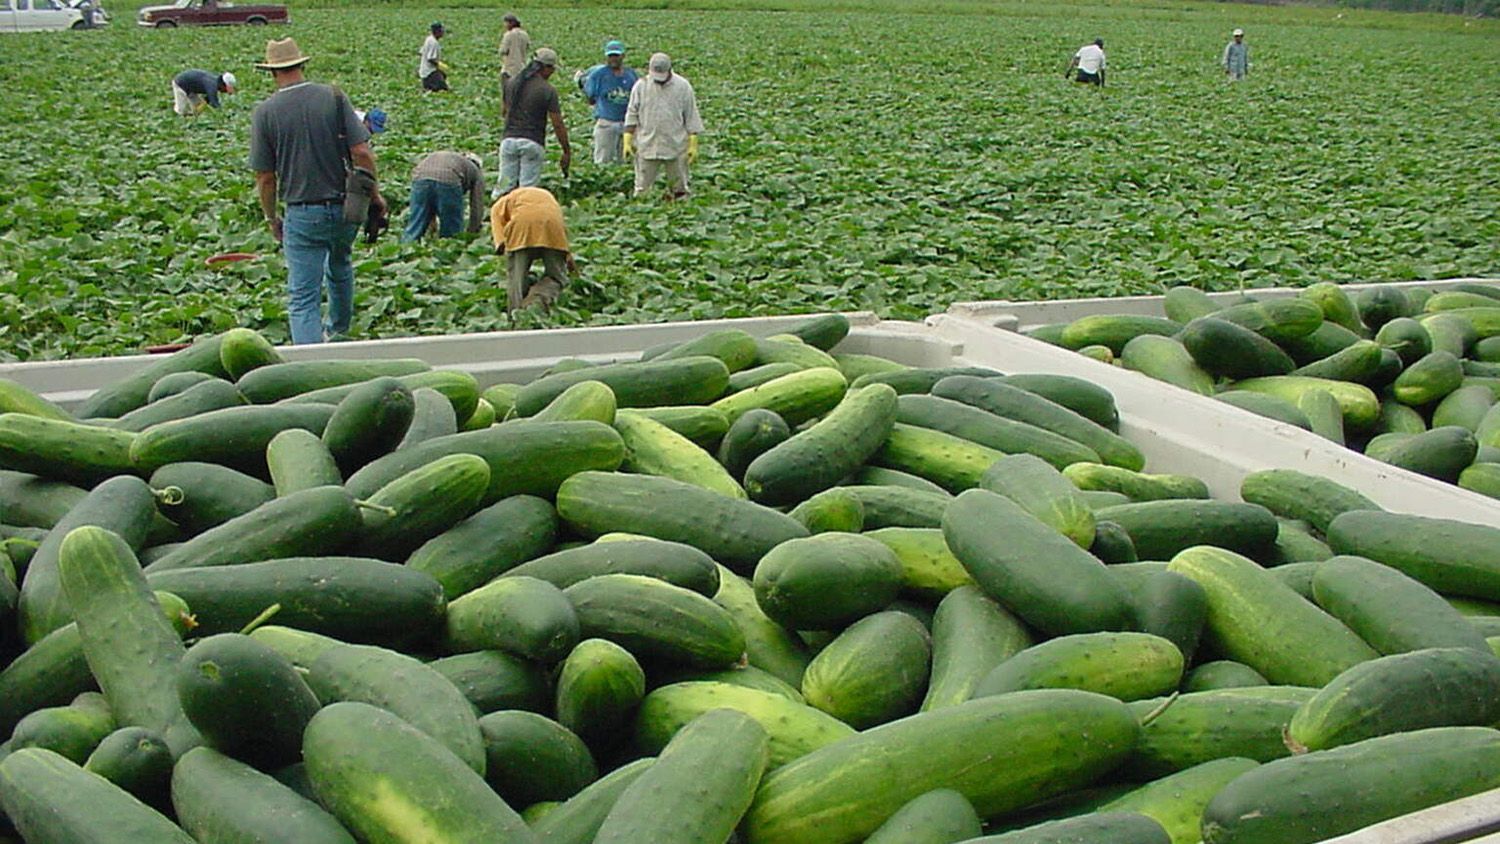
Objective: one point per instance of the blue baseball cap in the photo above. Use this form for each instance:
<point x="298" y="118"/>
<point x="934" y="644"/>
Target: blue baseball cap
<point x="614" y="48"/>
<point x="374" y="117"/>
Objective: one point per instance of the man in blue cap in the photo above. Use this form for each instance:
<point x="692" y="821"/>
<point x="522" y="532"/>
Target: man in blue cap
<point x="608" y="91"/>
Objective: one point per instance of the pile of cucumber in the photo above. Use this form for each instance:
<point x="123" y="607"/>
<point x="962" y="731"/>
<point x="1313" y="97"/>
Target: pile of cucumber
<point x="744" y="589"/>
<point x="1409" y="376"/>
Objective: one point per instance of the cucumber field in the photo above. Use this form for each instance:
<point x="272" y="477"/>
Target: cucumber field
<point x="880" y="160"/>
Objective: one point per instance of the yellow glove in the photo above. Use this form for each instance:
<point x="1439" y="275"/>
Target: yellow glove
<point x="627" y="144"/>
<point x="443" y="66"/>
<point x="692" y="149"/>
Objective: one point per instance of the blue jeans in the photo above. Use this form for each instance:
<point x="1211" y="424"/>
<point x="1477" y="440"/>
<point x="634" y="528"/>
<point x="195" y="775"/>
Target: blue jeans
<point x="430" y="198"/>
<point x="319" y="249"/>
<point x="520" y="164"/>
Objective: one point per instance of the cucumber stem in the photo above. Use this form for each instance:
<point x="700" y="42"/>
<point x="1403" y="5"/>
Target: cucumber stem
<point x="170" y="495"/>
<point x="1296" y="747"/>
<point x="265" y="616"/>
<point x="379" y="508"/>
<point x="1156" y="713"/>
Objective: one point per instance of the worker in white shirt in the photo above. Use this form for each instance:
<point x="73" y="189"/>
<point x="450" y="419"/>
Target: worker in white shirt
<point x="431" y="69"/>
<point x="662" y="127"/>
<point x="1089" y="63"/>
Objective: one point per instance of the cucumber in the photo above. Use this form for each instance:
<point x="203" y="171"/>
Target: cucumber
<point x="826" y="581"/>
<point x="689" y="380"/>
<point x="794" y="728"/>
<point x="1297" y="495"/>
<point x="1137" y="486"/>
<point x="928" y="569"/>
<point x="1359" y="362"/>
<point x="703" y="425"/>
<point x="298" y="460"/>
<point x="1389" y="610"/>
<point x="177" y="382"/>
<point x="987" y="429"/>
<point x="971" y="634"/>
<point x="137" y="760"/>
<point x="421" y="504"/>
<point x="1047" y="333"/>
<point x="1166" y="359"/>
<point x="528" y="617"/>
<point x="1464" y="407"/>
<point x="997" y="752"/>
<point x="213" y="394"/>
<point x="71" y="731"/>
<point x="369" y="422"/>
<point x="1160" y="529"/>
<point x="817" y="458"/>
<point x="1170" y="606"/>
<point x="494" y="680"/>
<point x="388" y="781"/>
<point x="853" y="365"/>
<point x="1200" y="727"/>
<point x="598" y="689"/>
<point x="1381" y="303"/>
<point x="1256" y="619"/>
<point x="492" y="541"/>
<point x="731" y="345"/>
<point x="1450" y="333"/>
<point x="673" y="562"/>
<point x="1225" y="349"/>
<point x="1270" y="407"/>
<point x="1323" y="414"/>
<point x="757" y="375"/>
<point x="652" y="448"/>
<point x="1328" y="339"/>
<point x="1360" y="405"/>
<point x="1015" y="403"/>
<point x="299" y="646"/>
<point x="1127" y="666"/>
<point x="1045" y="493"/>
<point x="219" y="799"/>
<point x="1114" y="330"/>
<point x="131" y="648"/>
<point x="1177" y="801"/>
<point x="432" y="417"/>
<point x="656" y="620"/>
<point x="823" y="332"/>
<point x="531" y="758"/>
<point x="891" y="506"/>
<point x="1032" y="570"/>
<point x="1428" y="380"/>
<point x="832" y="510"/>
<point x="1487" y="350"/>
<point x="308" y="523"/>
<point x="735" y="532"/>
<point x="17" y="398"/>
<point x="786" y="349"/>
<point x="1483" y="478"/>
<point x="1390" y="369"/>
<point x="1407" y="338"/>
<point x="1336" y="305"/>
<point x="1356" y="785"/>
<point x="1294" y="544"/>
<point x="921" y="379"/>
<point x="401" y="685"/>
<point x="951" y="462"/>
<point x="1486" y="321"/>
<point x="881" y="476"/>
<point x="1183" y="304"/>
<point x="1277" y="320"/>
<point x="940" y="816"/>
<point x="199" y="496"/>
<point x="245" y="699"/>
<point x="1221" y="674"/>
<point x="244" y="349"/>
<point x="1085" y="398"/>
<point x="577" y="820"/>
<point x="1114" y="827"/>
<point x="873" y="672"/>
<point x="584" y="400"/>
<point x="1480" y="288"/>
<point x="130" y="392"/>
<point x="1112" y="545"/>
<point x="1448" y="300"/>
<point x="768" y="646"/>
<point x="64" y="451"/>
<point x="754" y="433"/>
<point x="29" y="501"/>
<point x="235" y="436"/>
<point x="51" y="800"/>
<point x="1451" y="557"/>
<point x="459" y="389"/>
<point x="272" y="383"/>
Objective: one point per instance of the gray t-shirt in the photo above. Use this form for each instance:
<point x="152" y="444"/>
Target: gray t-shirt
<point x="530" y="104"/>
<point x="304" y="132"/>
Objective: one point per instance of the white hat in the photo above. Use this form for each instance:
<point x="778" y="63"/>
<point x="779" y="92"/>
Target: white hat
<point x="478" y="162"/>
<point x="1238" y="32"/>
<point x="661" y="66"/>
<point x="229" y="82"/>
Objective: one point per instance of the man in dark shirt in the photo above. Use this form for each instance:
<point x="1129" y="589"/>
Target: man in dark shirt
<point x="531" y="102"/>
<point x="193" y="90"/>
<point x="300" y="141"/>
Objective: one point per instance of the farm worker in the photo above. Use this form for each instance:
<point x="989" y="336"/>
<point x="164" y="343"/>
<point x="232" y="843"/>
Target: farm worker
<point x="608" y="91"/>
<point x="1089" y="62"/>
<point x="533" y="102"/>
<point x="193" y="90"/>
<point x="373" y="120"/>
<point x="299" y="140"/>
<point x="430" y="68"/>
<point x="527" y="224"/>
<point x="515" y="44"/>
<point x="662" y="127"/>
<point x="1236" y="56"/>
<point x="439" y="184"/>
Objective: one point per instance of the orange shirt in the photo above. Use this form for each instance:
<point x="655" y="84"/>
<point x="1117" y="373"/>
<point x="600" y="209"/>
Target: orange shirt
<point x="528" y="217"/>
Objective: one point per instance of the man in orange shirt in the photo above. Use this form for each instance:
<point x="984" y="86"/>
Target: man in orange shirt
<point x="527" y="224"/>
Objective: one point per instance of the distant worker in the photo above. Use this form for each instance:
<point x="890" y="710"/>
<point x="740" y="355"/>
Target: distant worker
<point x="373" y="120"/>
<point x="515" y="44"/>
<point x="527" y="224"/>
<point x="608" y="91"/>
<point x="300" y="138"/>
<point x="439" y="184"/>
<point x="532" y="103"/>
<point x="662" y="127"/>
<point x="430" y="68"/>
<point x="194" y="90"/>
<point x="1089" y="62"/>
<point x="1236" y="59"/>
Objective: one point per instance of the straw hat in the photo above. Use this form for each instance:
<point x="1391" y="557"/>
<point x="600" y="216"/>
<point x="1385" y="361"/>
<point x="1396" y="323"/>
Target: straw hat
<point x="281" y="55"/>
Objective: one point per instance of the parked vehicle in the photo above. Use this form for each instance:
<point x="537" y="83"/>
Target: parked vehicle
<point x="209" y="13"/>
<point x="43" y="16"/>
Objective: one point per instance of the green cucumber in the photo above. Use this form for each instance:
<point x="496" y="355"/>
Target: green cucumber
<point x="64" y="451"/>
<point x="656" y="620"/>
<point x="1085" y="398"/>
<point x="1221" y="674"/>
<point x="245" y="699"/>
<point x="244" y="349"/>
<point x="1112" y="545"/>
<point x="823" y="332"/>
<point x="299" y="460"/>
<point x="1270" y="407"/>
<point x="757" y="375"/>
<point x="1483" y="478"/>
<point x="386" y="780"/>
<point x="1360" y="406"/>
<point x="1200" y="727"/>
<point x="29" y="501"/>
<point x="581" y="401"/>
<point x="755" y="432"/>
<point x="1012" y="402"/>
<point x="735" y="532"/>
<point x="703" y="425"/>
<point x="523" y="615"/>
<point x="459" y="389"/>
<point x="853" y="365"/>
<point x="222" y="800"/>
<point x="997" y="752"/>
<point x="1428" y="380"/>
<point x="213" y="394"/>
<point x="1441" y="453"/>
<point x="1114" y="330"/>
<point x="131" y="648"/>
<point x="577" y="820"/>
<point x="1160" y="529"/>
<point x="1225" y="349"/>
<point x="1451" y="557"/>
<point x="369" y="422"/>
<point x="921" y="379"/>
<point x="531" y="758"/>
<point x="1183" y="304"/>
<point x="971" y="634"/>
<point x="1114" y="827"/>
<point x="940" y="816"/>
<point x="987" y="429"/>
<point x="494" y="680"/>
<point x="789" y="349"/>
<point x="1177" y="801"/>
<point x="1277" y="320"/>
<point x="817" y="458"/>
<point x="488" y="543"/>
<point x="1047" y="333"/>
<point x="51" y="800"/>
<point x="18" y="398"/>
<point x="308" y="523"/>
<point x="1481" y="288"/>
<point x="599" y="687"/>
<point x="893" y="506"/>
<point x="881" y="476"/>
<point x="300" y="646"/>
<point x="1137" y="486"/>
<point x="1464" y="407"/>
<point x="502" y="397"/>
<point x="234" y="436"/>
<point x="1336" y="304"/>
<point x="199" y="496"/>
<point x="1170" y="606"/>
<point x="177" y="382"/>
<point x="1381" y="303"/>
<point x="1256" y="619"/>
<point x="432" y="417"/>
<point x="72" y="731"/>
<point x="1447" y="300"/>
<point x="1127" y="666"/>
<point x="267" y="384"/>
<point x="1389" y="610"/>
<point x="1294" y="544"/>
<point x="130" y="392"/>
<point x="1045" y="493"/>
<point x="1297" y="495"/>
<point x="137" y="760"/>
<point x="928" y="569"/>
<point x="1406" y="337"/>
<point x="689" y="380"/>
<point x="1033" y="570"/>
<point x="1323" y="414"/>
<point x="1328" y="339"/>
<point x="768" y="646"/>
<point x="826" y="581"/>
<point x="1166" y="359"/>
<point x="949" y="461"/>
<point x="421" y="504"/>
<point x="652" y="448"/>
<point x="1358" y="362"/>
<point x="673" y="562"/>
<point x="795" y="729"/>
<point x="873" y="672"/>
<point x="1356" y="785"/>
<point x="832" y="510"/>
<point x="1450" y="333"/>
<point x="733" y="346"/>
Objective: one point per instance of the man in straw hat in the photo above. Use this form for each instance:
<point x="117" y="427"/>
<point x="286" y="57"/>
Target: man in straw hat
<point x="662" y="127"/>
<point x="302" y="140"/>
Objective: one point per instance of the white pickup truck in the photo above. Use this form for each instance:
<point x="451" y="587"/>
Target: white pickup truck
<point x="48" y="15"/>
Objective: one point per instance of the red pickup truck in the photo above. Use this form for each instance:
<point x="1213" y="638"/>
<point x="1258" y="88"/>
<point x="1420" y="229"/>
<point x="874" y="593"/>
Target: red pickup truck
<point x="210" y="13"/>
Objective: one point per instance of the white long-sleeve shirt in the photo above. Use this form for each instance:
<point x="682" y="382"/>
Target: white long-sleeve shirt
<point x="662" y="115"/>
<point x="432" y="53"/>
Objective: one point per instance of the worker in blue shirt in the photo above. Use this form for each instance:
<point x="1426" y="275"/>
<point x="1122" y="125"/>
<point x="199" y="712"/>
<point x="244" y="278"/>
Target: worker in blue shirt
<point x="608" y="91"/>
<point x="194" y="90"/>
